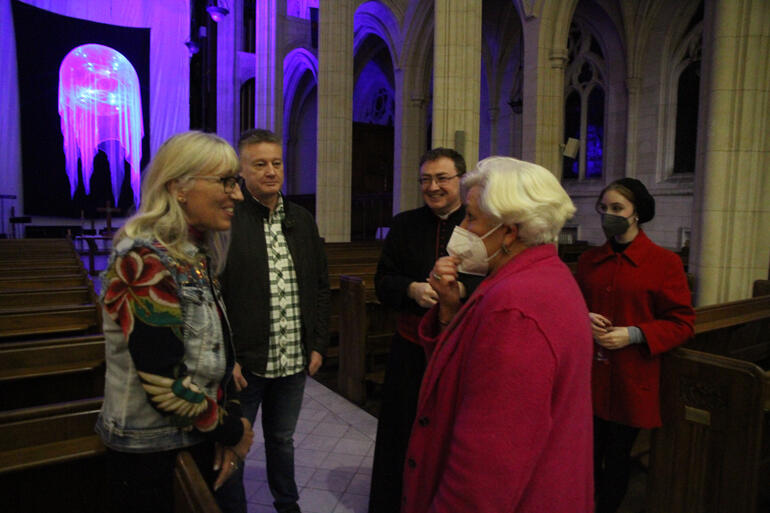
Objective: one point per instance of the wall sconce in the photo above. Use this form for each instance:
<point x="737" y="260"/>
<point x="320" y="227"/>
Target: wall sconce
<point x="216" y="12"/>
<point x="192" y="46"/>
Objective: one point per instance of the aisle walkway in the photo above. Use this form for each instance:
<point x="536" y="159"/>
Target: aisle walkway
<point x="333" y="457"/>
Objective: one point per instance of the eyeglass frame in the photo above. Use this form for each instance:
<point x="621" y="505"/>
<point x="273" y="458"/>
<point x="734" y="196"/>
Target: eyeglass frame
<point x="233" y="179"/>
<point x="439" y="179"/>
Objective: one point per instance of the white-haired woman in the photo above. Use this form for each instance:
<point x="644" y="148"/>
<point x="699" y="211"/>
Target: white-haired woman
<point x="169" y="355"/>
<point x="504" y="415"/>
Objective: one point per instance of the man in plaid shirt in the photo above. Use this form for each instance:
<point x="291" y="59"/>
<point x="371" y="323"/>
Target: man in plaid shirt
<point x="276" y="290"/>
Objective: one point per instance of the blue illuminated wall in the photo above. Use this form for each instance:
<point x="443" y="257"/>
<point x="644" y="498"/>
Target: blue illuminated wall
<point x="373" y="96"/>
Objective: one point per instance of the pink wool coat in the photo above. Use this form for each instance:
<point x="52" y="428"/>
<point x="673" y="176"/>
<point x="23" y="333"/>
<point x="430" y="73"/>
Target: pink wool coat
<point x="504" y="415"/>
<point x="644" y="286"/>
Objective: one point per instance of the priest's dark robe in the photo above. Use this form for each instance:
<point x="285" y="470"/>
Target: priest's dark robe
<point x="417" y="238"/>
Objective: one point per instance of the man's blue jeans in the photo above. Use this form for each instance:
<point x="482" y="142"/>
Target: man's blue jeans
<point x="281" y="399"/>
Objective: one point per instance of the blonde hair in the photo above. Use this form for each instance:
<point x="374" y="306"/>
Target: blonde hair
<point x="524" y="194"/>
<point x="160" y="216"/>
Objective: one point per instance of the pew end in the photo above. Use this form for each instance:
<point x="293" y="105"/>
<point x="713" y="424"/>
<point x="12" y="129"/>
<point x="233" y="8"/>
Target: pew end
<point x="191" y="493"/>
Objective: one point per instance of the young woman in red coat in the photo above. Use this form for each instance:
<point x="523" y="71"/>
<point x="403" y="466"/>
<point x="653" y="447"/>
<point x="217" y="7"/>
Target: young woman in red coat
<point x="640" y="307"/>
<point x="504" y="413"/>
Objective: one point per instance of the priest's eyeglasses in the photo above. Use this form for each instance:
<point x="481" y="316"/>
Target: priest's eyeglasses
<point x="427" y="180"/>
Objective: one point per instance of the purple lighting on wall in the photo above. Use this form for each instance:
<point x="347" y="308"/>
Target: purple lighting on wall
<point x="300" y="8"/>
<point x="99" y="101"/>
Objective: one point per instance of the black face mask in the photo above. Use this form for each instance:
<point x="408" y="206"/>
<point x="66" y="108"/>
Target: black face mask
<point x="614" y="225"/>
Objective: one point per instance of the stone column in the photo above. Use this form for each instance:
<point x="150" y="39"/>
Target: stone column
<point x="457" y="76"/>
<point x="731" y="236"/>
<point x="634" y="88"/>
<point x="543" y="98"/>
<point x="409" y="145"/>
<point x="268" y="81"/>
<point x="335" y="120"/>
<point x="228" y="90"/>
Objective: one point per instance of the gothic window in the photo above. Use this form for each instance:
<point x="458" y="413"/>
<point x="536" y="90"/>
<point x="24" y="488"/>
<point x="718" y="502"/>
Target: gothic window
<point x="687" y="97"/>
<point x="681" y="84"/>
<point x="584" y="104"/>
<point x="247" y="116"/>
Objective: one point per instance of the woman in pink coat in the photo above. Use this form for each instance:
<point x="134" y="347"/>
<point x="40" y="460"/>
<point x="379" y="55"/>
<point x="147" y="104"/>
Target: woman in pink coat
<point x="640" y="307"/>
<point x="504" y="413"/>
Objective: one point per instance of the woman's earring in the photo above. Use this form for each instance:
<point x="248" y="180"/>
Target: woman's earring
<point x="506" y="249"/>
<point x="181" y="199"/>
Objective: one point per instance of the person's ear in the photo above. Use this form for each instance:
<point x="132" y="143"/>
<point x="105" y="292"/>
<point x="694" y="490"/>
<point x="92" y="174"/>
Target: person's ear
<point x="511" y="233"/>
<point x="173" y="189"/>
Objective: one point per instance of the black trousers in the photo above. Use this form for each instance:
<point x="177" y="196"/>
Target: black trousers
<point x="144" y="482"/>
<point x="612" y="463"/>
<point x="400" y="391"/>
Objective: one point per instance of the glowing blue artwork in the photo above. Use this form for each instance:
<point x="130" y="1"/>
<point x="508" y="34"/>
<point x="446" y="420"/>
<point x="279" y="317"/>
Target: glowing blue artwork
<point x="594" y="151"/>
<point x="99" y="101"/>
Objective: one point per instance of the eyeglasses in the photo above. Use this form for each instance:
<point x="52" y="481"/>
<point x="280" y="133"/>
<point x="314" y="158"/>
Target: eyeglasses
<point x="427" y="180"/>
<point x="228" y="182"/>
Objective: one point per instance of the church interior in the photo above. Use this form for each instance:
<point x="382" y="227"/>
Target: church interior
<point x="674" y="94"/>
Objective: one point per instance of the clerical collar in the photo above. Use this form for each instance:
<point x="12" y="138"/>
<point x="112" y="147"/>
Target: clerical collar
<point x="444" y="217"/>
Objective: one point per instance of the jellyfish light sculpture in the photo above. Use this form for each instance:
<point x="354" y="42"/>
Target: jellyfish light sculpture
<point x="100" y="102"/>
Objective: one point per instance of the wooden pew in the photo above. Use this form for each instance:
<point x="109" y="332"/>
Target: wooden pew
<point x="366" y="329"/>
<point x="51" y="459"/>
<point x="357" y="251"/>
<point x="761" y="288"/>
<point x="38" y="269"/>
<point x="713" y="452"/>
<point x="79" y="295"/>
<point x="45" y="321"/>
<point x="56" y="281"/>
<point x="191" y="493"/>
<point x="37" y="373"/>
<point x="357" y="258"/>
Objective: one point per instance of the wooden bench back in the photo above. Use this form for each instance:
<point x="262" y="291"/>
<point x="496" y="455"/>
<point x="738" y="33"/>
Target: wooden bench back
<point x="35" y="375"/>
<point x="79" y="295"/>
<point x="46" y="321"/>
<point x="366" y="327"/>
<point x="47" y="282"/>
<point x="51" y="459"/>
<point x="191" y="493"/>
<point x="713" y="452"/>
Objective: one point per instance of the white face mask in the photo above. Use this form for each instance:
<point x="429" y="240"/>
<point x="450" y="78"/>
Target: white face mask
<point x="471" y="250"/>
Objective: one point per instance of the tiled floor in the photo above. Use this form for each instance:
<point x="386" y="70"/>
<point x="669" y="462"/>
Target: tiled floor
<point x="334" y="445"/>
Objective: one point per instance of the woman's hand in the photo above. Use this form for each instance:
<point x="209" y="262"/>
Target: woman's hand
<point x="229" y="459"/>
<point x="614" y="338"/>
<point x="443" y="279"/>
<point x="240" y="381"/>
<point x="599" y="325"/>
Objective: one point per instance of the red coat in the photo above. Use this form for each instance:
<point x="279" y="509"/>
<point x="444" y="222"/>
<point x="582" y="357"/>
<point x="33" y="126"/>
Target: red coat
<point x="504" y="417"/>
<point x="643" y="286"/>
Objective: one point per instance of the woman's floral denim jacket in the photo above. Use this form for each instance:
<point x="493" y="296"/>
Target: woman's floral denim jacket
<point x="168" y="350"/>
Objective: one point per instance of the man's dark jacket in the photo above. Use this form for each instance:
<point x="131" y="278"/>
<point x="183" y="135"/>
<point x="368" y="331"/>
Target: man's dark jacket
<point x="246" y="284"/>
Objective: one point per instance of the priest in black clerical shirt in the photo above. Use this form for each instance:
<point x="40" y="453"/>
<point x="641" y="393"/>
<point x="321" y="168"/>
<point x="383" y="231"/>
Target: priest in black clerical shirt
<point x="417" y="238"/>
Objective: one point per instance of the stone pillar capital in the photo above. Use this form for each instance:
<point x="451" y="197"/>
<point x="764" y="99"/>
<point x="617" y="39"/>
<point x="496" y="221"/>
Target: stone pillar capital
<point x="558" y="58"/>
